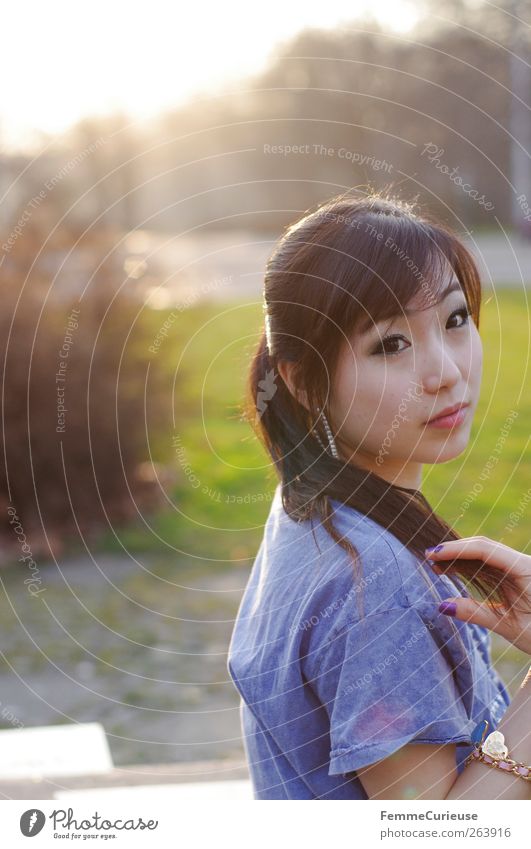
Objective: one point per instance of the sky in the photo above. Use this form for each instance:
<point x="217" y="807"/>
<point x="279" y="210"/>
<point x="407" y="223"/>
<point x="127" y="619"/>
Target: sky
<point x="63" y="59"/>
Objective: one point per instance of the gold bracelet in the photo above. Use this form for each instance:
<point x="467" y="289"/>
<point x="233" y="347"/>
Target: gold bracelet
<point x="493" y="752"/>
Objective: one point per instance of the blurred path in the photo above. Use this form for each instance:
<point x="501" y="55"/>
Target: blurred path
<point x="167" y="271"/>
<point x="183" y="270"/>
<point x="502" y="261"/>
<point x="139" y="645"/>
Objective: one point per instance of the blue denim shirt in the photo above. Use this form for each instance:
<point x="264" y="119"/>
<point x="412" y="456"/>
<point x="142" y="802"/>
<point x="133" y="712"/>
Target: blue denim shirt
<point x="325" y="690"/>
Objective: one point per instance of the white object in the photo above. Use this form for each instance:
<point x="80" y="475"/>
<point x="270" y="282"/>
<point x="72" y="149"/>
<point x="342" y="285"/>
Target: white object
<point x="494" y="745"/>
<point x="77" y="749"/>
<point x="201" y="790"/>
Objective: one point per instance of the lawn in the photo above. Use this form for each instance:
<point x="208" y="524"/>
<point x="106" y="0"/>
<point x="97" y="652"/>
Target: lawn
<point x="225" y="481"/>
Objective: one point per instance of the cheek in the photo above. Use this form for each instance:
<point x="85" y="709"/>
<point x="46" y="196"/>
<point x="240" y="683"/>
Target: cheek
<point x="479" y="351"/>
<point x="367" y="399"/>
<point x="474" y="358"/>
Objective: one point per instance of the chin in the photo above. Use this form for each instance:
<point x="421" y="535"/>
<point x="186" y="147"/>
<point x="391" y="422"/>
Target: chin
<point x="451" y="447"/>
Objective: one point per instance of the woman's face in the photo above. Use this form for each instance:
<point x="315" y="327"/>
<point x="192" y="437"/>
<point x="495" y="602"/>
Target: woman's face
<point x="398" y="375"/>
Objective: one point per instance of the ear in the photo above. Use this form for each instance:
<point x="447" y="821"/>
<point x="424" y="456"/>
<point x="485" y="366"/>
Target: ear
<point x="288" y="369"/>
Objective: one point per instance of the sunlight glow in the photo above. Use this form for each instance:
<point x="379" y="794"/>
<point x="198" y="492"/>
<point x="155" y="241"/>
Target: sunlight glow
<point x="62" y="61"/>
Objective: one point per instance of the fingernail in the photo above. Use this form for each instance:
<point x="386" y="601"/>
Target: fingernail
<point x="449" y="608"/>
<point x="434" y="548"/>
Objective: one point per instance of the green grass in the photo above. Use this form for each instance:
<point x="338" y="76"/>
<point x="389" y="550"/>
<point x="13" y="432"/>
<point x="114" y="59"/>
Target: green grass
<point x="210" y="348"/>
<point x="220" y="463"/>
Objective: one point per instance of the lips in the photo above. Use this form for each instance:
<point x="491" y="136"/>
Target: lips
<point x="448" y="411"/>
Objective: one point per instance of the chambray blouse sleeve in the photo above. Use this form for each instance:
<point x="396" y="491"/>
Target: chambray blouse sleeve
<point x="385" y="682"/>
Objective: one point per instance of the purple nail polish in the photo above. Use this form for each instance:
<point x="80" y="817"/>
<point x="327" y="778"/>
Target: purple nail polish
<point x="449" y="608"/>
<point x="434" y="548"/>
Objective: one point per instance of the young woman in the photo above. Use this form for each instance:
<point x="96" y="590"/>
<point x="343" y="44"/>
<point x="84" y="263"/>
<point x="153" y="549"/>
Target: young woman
<point x="354" y="683"/>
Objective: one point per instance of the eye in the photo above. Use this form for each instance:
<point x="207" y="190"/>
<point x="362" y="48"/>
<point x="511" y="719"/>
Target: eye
<point x="388" y="345"/>
<point x="464" y="313"/>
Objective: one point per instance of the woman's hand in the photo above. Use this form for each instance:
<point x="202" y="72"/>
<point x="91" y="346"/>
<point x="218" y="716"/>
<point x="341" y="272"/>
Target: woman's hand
<point x="469" y="610"/>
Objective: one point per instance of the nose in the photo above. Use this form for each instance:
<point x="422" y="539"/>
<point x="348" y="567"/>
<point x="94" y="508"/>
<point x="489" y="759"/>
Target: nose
<point x="439" y="368"/>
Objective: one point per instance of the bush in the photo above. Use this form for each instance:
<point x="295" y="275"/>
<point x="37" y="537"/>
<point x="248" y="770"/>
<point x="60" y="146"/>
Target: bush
<point x="75" y="348"/>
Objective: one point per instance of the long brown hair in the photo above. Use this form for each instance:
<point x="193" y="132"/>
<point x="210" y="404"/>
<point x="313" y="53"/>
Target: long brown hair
<point x="355" y="259"/>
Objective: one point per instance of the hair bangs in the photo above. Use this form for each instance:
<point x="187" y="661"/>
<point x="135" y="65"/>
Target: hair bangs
<point x="408" y="264"/>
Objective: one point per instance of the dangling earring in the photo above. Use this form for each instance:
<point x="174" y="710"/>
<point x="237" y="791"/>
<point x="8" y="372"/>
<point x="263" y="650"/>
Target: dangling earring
<point x="331" y="440"/>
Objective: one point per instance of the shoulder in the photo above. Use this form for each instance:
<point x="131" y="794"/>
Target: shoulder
<point x="392" y="575"/>
<point x="332" y="590"/>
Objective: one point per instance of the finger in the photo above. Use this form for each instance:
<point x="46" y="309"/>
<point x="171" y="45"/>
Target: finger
<point x="469" y="610"/>
<point x="480" y="548"/>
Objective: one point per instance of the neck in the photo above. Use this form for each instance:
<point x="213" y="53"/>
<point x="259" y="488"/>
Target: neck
<point x="398" y="472"/>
